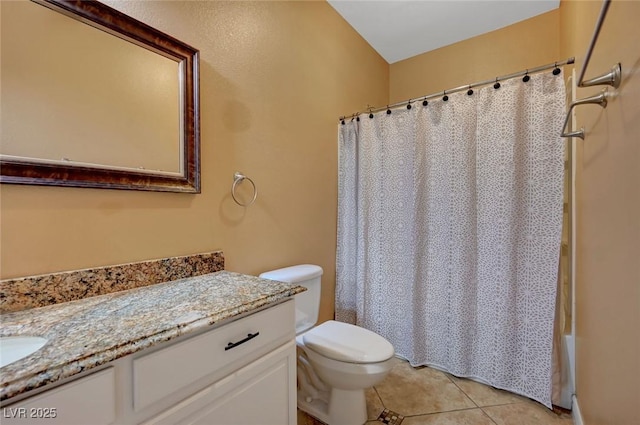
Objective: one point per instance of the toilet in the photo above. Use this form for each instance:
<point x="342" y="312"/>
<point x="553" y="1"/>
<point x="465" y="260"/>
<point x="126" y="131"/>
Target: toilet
<point x="336" y="361"/>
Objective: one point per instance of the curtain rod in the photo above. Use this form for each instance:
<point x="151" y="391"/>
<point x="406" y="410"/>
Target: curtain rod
<point x="465" y="87"/>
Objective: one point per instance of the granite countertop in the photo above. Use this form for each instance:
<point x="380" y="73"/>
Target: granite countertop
<point x="90" y="332"/>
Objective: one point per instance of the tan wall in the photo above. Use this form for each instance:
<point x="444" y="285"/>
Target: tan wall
<point x="608" y="217"/>
<point x="523" y="45"/>
<point x="274" y="78"/>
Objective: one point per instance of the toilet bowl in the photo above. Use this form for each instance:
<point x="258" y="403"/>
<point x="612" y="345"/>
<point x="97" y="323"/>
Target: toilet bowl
<point x="337" y="361"/>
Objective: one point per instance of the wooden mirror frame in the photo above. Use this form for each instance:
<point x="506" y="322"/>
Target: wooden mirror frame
<point x="94" y="13"/>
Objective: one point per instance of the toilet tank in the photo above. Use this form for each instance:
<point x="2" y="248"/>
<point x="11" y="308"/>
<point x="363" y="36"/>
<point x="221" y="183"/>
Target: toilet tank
<point x="307" y="302"/>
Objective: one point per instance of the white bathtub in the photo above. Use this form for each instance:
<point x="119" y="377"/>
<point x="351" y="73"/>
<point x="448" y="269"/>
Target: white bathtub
<point x="567" y="351"/>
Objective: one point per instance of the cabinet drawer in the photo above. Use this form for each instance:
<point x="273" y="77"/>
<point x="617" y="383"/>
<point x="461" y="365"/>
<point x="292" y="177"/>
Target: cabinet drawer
<point x="88" y="400"/>
<point x="163" y="372"/>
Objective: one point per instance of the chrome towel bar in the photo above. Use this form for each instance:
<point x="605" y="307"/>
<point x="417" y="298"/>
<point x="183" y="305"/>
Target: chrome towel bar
<point x="599" y="99"/>
<point x="611" y="78"/>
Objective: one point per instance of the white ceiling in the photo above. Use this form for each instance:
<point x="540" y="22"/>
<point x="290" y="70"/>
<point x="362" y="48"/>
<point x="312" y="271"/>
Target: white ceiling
<point x="400" y="29"/>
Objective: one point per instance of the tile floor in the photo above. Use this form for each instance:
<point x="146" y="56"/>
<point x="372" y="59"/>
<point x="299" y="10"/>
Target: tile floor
<point x="426" y="396"/>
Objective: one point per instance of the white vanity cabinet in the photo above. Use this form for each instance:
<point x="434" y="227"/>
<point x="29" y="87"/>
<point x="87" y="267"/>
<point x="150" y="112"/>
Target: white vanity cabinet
<point x="256" y="356"/>
<point x="242" y="372"/>
<point x="257" y="394"/>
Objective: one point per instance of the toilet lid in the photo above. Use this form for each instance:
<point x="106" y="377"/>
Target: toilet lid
<point x="348" y="343"/>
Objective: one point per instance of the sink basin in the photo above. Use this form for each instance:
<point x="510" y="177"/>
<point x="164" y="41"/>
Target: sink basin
<point x="14" y="348"/>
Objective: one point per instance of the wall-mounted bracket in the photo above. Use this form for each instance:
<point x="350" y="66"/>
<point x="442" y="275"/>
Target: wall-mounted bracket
<point x="611" y="78"/>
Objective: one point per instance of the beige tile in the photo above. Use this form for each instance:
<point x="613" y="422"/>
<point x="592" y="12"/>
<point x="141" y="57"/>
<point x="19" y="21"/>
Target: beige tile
<point x="374" y="404"/>
<point x="419" y="391"/>
<point x="485" y="395"/>
<point x="460" y="417"/>
<point x="526" y="413"/>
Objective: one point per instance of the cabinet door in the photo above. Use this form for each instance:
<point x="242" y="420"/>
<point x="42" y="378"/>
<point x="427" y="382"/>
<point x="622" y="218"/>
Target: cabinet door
<point x="261" y="393"/>
<point x="87" y="400"/>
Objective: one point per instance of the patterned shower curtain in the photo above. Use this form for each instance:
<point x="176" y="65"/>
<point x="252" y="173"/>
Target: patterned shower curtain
<point x="449" y="228"/>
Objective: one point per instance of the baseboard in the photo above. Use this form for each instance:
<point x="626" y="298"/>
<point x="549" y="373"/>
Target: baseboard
<point x="575" y="411"/>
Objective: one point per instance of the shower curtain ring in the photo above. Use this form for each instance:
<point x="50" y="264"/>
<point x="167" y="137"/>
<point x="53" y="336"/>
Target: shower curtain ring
<point x="497" y="84"/>
<point x="388" y="110"/>
<point x="469" y="92"/>
<point x="409" y="104"/>
<point x="425" y="102"/>
<point x="445" y="97"/>
<point x="526" y="77"/>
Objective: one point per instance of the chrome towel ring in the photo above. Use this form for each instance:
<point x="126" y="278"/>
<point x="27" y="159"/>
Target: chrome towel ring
<point x="238" y="177"/>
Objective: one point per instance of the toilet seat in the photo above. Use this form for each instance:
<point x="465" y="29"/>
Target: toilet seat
<point x="347" y="343"/>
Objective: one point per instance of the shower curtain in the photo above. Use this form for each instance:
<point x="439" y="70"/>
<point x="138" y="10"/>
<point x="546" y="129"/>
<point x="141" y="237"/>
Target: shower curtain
<point x="449" y="227"/>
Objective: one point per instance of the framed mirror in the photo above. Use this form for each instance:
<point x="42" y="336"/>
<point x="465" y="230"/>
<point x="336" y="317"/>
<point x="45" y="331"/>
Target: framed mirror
<point x="94" y="98"/>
